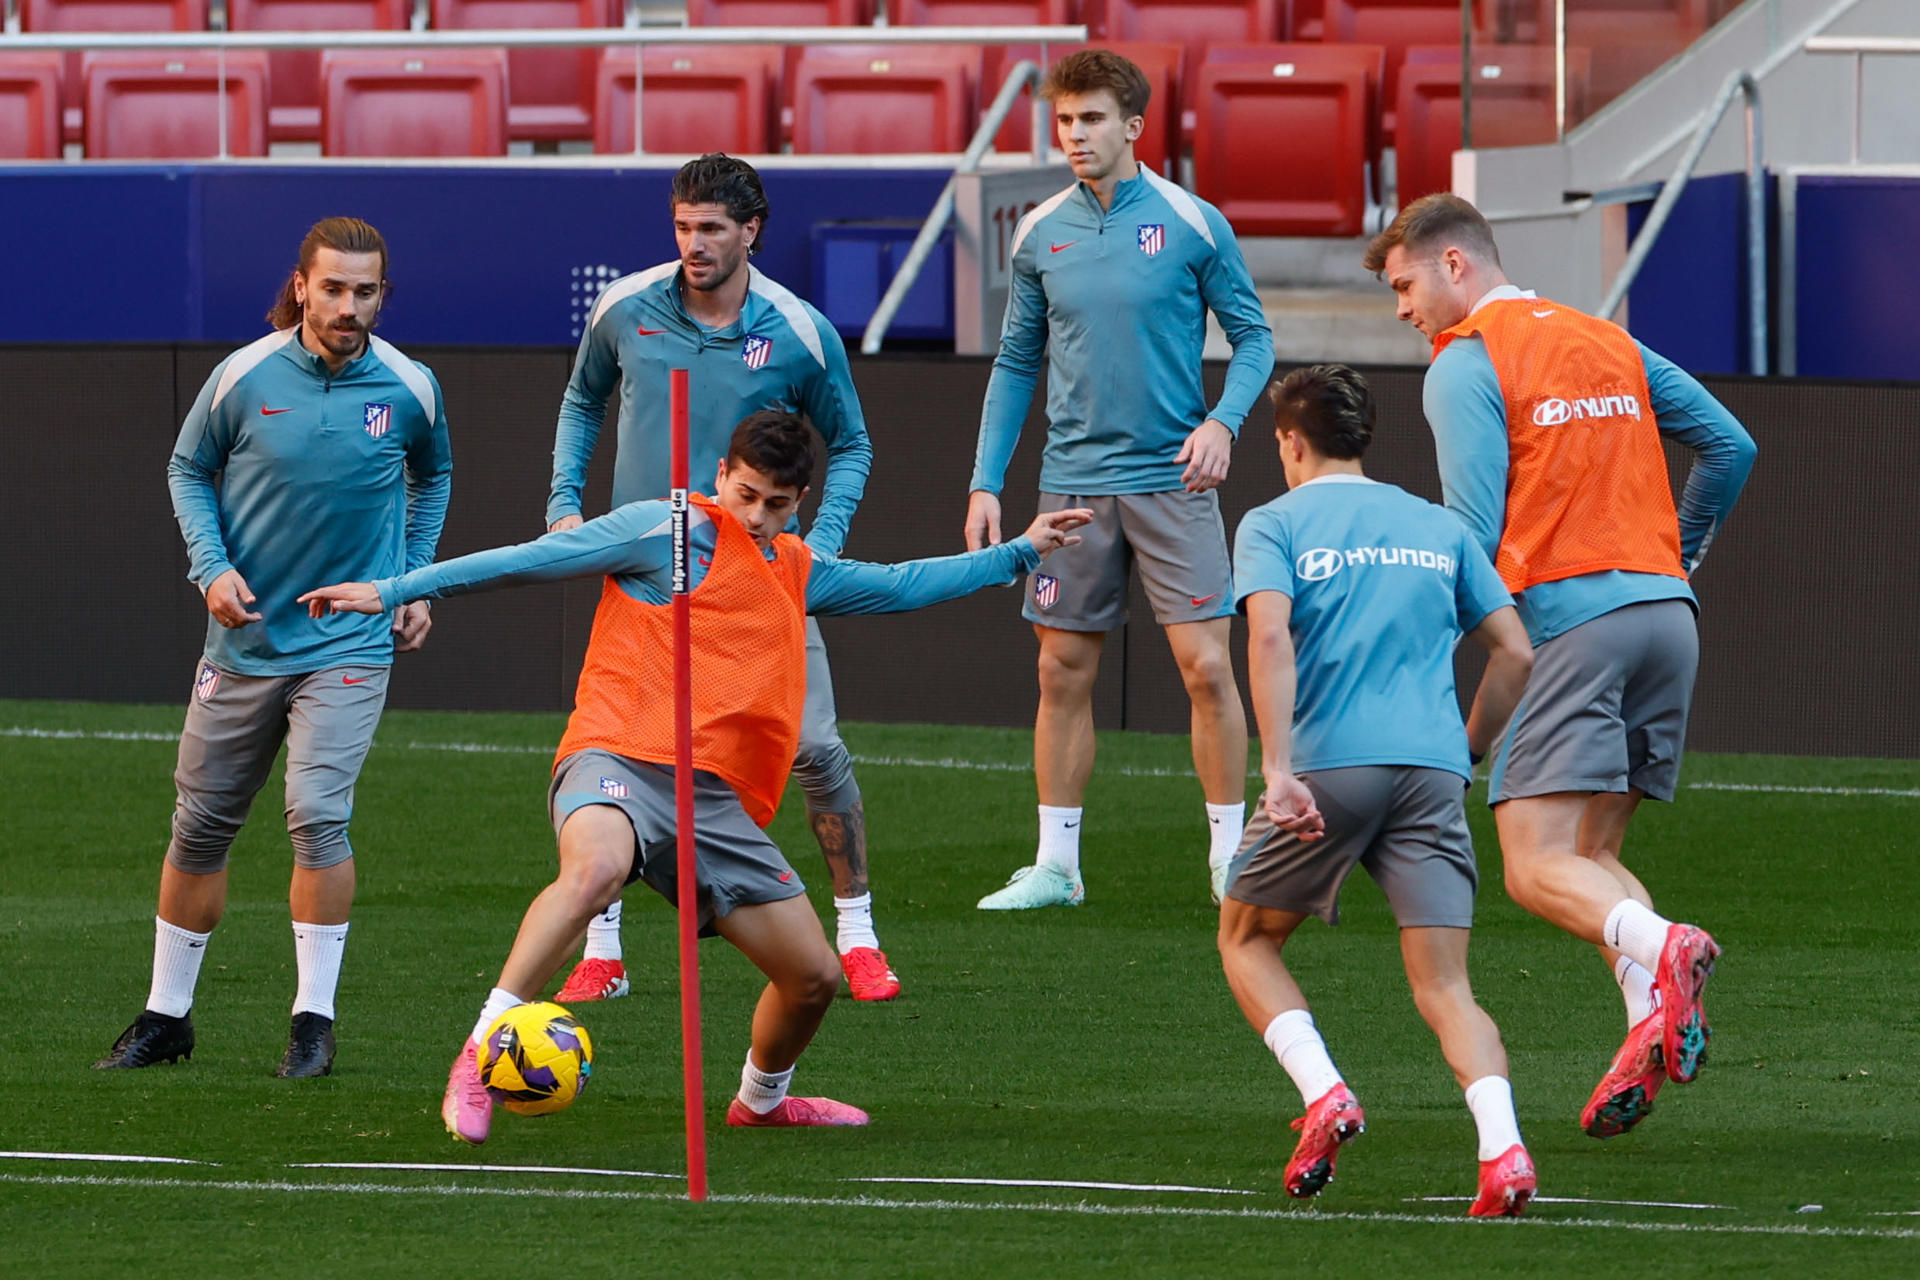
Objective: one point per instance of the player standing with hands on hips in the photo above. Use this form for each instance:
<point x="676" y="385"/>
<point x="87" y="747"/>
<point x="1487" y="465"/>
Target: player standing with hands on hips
<point x="1112" y="281"/>
<point x="1548" y="425"/>
<point x="317" y="453"/>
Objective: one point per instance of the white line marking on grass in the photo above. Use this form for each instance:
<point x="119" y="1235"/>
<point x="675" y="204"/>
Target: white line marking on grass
<point x="1302" y="1216"/>
<point x="102" y="1158"/>
<point x="1634" y="1204"/>
<point x="913" y="762"/>
<point x="1047" y="1182"/>
<point x="491" y="1168"/>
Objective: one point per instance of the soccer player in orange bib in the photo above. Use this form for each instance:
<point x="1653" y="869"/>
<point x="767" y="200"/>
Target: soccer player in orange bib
<point x="612" y="798"/>
<point x="1548" y="425"/>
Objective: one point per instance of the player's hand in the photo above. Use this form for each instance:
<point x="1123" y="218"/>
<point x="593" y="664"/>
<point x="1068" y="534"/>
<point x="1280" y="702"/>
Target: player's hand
<point x="1049" y="531"/>
<point x="983" y="520"/>
<point x="565" y="522"/>
<point x="411" y="622"/>
<point x="343" y="597"/>
<point x="1291" y="807"/>
<point x="1207" y="452"/>
<point x="227" y="599"/>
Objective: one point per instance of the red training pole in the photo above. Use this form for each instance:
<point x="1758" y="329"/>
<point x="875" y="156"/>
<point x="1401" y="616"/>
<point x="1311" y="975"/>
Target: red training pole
<point x="689" y="912"/>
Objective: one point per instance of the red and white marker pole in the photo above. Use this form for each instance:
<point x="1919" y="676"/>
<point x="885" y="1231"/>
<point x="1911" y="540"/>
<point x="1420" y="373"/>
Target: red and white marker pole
<point x="689" y="906"/>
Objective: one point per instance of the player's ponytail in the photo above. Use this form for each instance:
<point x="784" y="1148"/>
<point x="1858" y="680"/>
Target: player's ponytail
<point x="342" y="235"/>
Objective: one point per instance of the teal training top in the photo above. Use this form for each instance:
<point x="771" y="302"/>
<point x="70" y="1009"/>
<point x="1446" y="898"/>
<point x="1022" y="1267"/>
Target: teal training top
<point x="780" y="354"/>
<point x="298" y="477"/>
<point x="1116" y="300"/>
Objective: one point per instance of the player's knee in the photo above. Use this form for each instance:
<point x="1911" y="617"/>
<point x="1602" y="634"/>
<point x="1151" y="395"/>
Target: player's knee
<point x="593" y="877"/>
<point x="820" y="983"/>
<point x="1441" y="997"/>
<point x="200" y="840"/>
<point x="1065" y="675"/>
<point x="319" y="845"/>
<point x="1208" y="674"/>
<point x="1243" y="926"/>
<point x="824" y="770"/>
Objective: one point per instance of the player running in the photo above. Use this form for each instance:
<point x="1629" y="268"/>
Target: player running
<point x="750" y="344"/>
<point x="1112" y="281"/>
<point x="1356" y="594"/>
<point x="612" y="799"/>
<point x="317" y="452"/>
<point x="1548" y="424"/>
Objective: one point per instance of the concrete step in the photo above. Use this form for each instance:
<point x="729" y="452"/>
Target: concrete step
<point x="1321" y="323"/>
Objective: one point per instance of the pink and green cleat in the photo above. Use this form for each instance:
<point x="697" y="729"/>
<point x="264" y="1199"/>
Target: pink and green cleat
<point x="794" y="1112"/>
<point x="1624" y="1096"/>
<point x="1507" y="1182"/>
<point x="467" y="1108"/>
<point x="1686" y="962"/>
<point x="1333" y="1120"/>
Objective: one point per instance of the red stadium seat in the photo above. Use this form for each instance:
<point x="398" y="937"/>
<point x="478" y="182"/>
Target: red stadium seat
<point x="1394" y="25"/>
<point x="550" y="91"/>
<point x="294" y="74"/>
<point x="1193" y="24"/>
<point x="699" y="98"/>
<point x="1158" y="144"/>
<point x="30" y="105"/>
<point x="1282" y="142"/>
<point x="105" y="15"/>
<point x="779" y="13"/>
<point x="1513" y="105"/>
<point x="883" y="99"/>
<point x="979" y="13"/>
<point x="165" y="106"/>
<point x="402" y="102"/>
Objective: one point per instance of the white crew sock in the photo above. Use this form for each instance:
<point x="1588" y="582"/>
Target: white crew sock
<point x="1636" y="986"/>
<point x="177" y="954"/>
<point x="1636" y="931"/>
<point x="603" y="934"/>
<point x="1226" y="823"/>
<point x="854" y="923"/>
<point x="317" y="949"/>
<point x="1490" y="1098"/>
<point x="1296" y="1042"/>
<point x="762" y="1091"/>
<point x="1060" y="838"/>
<point x="499" y="1000"/>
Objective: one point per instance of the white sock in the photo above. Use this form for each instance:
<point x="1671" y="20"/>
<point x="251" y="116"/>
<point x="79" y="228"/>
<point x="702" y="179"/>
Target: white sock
<point x="1636" y="986"/>
<point x="1060" y="838"/>
<point x="1226" y="823"/>
<point x="317" y="949"/>
<point x="499" y="1000"/>
<point x="762" y="1091"/>
<point x="854" y="926"/>
<point x="1490" y="1098"/>
<point x="1296" y="1042"/>
<point x="176" y="968"/>
<point x="603" y="934"/>
<point x="1636" y="931"/>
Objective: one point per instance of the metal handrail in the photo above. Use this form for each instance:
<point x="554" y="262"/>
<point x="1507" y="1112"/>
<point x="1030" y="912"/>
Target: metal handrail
<point x="582" y="37"/>
<point x="1860" y="47"/>
<point x="1022" y="74"/>
<point x="1741" y="82"/>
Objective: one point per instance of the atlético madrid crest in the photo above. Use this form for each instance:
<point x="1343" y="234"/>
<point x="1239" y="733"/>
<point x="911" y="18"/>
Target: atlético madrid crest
<point x="613" y="787"/>
<point x="208" y="682"/>
<point x="1046" y="590"/>
<point x="378" y="417"/>
<point x="755" y="350"/>
<point x="1153" y="238"/>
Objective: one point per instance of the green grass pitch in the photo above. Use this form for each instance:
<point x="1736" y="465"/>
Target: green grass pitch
<point x="1094" y="1044"/>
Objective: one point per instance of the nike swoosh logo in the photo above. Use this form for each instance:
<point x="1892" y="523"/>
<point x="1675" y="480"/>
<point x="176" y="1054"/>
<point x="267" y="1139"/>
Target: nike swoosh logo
<point x="706" y="559"/>
<point x="648" y="333"/>
<point x="1541" y="315"/>
<point x="785" y="876"/>
<point x="352" y="680"/>
<point x="192" y="945"/>
<point x="1197" y="601"/>
<point x="1068" y="245"/>
<point x="268" y="413"/>
<point x="1068" y="826"/>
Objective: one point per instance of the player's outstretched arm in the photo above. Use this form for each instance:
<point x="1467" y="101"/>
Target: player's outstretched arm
<point x="1271" y="680"/>
<point x="1509" y="663"/>
<point x="853" y="586"/>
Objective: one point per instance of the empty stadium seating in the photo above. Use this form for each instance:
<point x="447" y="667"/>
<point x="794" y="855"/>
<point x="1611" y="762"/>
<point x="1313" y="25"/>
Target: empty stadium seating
<point x="1513" y="105"/>
<point x="293" y="77"/>
<point x="1158" y="142"/>
<point x="550" y="92"/>
<point x="448" y="102"/>
<point x="979" y="13"/>
<point x="879" y="99"/>
<point x="1283" y="137"/>
<point x="105" y="15"/>
<point x="166" y="106"/>
<point x="1394" y="25"/>
<point x="30" y="105"/>
<point x="1195" y="25"/>
<point x="711" y="98"/>
<point x="779" y="13"/>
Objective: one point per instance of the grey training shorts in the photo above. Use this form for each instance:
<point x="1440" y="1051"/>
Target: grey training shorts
<point x="1178" y="539"/>
<point x="1605" y="708"/>
<point x="1406" y="825"/>
<point x="735" y="864"/>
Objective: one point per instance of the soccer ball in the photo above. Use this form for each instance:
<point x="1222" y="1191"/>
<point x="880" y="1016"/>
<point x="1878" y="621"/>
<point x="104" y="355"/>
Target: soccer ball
<point x="535" y="1059"/>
